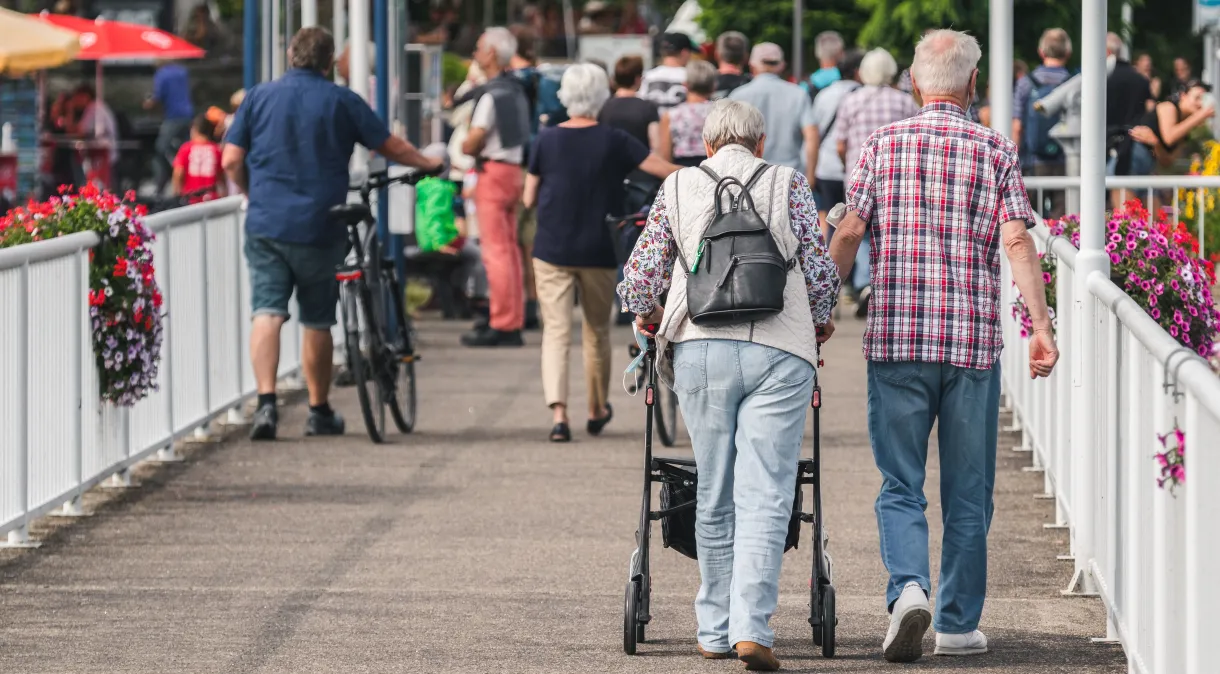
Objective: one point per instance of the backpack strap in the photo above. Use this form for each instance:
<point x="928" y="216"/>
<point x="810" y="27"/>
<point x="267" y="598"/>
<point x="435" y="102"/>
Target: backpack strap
<point x="673" y="226"/>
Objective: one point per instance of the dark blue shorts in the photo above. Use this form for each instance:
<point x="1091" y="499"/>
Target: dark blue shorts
<point x="278" y="268"/>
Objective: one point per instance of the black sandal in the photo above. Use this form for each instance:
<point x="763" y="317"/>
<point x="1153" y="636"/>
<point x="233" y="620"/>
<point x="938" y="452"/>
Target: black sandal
<point x="561" y="433"/>
<point x="595" y="426"/>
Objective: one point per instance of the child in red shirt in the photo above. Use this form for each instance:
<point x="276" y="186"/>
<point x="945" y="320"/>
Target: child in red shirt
<point x="197" y="166"/>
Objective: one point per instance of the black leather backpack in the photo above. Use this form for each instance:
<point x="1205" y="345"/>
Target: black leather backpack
<point x="738" y="274"/>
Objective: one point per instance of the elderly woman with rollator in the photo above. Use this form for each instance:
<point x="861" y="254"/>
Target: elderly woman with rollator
<point x="939" y="194"/>
<point x="744" y="388"/>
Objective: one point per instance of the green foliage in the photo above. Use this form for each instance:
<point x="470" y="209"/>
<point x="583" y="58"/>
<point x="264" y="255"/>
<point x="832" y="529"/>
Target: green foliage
<point x="453" y="70"/>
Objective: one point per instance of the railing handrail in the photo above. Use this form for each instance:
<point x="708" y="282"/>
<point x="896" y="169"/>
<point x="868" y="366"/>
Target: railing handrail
<point x="1125" y="182"/>
<point x="1192" y="372"/>
<point x="1055" y="245"/>
<point x="39" y="251"/>
<point x="174" y="217"/>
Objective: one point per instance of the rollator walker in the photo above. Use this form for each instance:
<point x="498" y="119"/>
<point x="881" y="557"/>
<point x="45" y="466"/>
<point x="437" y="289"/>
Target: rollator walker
<point x="678" y="482"/>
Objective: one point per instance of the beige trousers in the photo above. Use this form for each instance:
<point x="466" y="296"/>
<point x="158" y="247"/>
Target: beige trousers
<point x="557" y="287"/>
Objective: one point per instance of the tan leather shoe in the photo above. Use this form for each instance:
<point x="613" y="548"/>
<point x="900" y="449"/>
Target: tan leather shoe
<point x="758" y="658"/>
<point x="711" y="655"/>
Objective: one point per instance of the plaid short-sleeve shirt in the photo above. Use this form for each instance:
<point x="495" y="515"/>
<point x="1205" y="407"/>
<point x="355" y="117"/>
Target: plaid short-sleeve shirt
<point x="935" y="189"/>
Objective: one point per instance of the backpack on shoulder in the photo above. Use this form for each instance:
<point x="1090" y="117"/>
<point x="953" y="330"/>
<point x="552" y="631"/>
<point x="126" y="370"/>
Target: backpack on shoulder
<point x="1036" y="127"/>
<point x="738" y="274"/>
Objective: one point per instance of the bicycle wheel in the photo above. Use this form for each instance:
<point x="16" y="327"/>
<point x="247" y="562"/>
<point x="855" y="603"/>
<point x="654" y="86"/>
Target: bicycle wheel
<point x="364" y="347"/>
<point x="399" y="379"/>
<point x="667" y="415"/>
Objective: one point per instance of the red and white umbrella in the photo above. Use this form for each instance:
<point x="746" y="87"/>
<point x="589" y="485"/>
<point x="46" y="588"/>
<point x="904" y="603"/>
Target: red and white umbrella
<point x="103" y="40"/>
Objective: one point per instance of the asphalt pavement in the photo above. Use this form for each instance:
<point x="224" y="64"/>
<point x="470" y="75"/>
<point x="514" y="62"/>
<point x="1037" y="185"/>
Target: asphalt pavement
<point x="474" y="545"/>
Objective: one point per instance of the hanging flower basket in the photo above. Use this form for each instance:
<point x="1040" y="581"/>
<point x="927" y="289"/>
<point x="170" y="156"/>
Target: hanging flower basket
<point x="124" y="300"/>
<point x="1157" y="263"/>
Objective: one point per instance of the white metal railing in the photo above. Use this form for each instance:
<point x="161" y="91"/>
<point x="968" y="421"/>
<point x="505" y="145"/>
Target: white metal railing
<point x="57" y="439"/>
<point x="1165" y="191"/>
<point x="1153" y="556"/>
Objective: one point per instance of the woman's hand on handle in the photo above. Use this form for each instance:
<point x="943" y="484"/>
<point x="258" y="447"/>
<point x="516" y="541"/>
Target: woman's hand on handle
<point x="650" y="323"/>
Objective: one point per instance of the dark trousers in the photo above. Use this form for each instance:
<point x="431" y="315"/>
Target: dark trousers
<point x="173" y="133"/>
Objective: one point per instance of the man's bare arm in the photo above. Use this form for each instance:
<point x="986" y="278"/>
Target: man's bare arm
<point x="233" y="159"/>
<point x="475" y="141"/>
<point x="1026" y="271"/>
<point x="399" y="150"/>
<point x="846" y="241"/>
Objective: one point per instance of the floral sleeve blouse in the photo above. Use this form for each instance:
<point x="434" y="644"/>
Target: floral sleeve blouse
<point x="648" y="273"/>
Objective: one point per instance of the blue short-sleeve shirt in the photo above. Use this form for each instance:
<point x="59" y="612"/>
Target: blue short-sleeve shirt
<point x="172" y="89"/>
<point x="298" y="133"/>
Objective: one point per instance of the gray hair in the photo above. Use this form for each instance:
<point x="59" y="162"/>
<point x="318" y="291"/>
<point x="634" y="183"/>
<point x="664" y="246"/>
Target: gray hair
<point x="878" y="68"/>
<point x="584" y="89"/>
<point x="944" y="62"/>
<point x="1116" y="46"/>
<point x="733" y="48"/>
<point x="502" y="42"/>
<point x="733" y="123"/>
<point x="1055" y="44"/>
<point x="701" y="78"/>
<point x="828" y="46"/>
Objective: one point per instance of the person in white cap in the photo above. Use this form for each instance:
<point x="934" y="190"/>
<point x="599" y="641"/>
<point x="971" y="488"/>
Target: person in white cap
<point x="785" y="107"/>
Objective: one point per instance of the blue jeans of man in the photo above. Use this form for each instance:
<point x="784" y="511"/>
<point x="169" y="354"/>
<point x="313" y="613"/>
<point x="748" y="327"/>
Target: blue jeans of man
<point x="745" y="406"/>
<point x="905" y="399"/>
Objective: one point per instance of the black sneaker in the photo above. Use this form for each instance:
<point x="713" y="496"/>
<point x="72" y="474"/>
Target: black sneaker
<point x="489" y="337"/>
<point x="265" y="420"/>
<point x="862" y="303"/>
<point x="324" y="424"/>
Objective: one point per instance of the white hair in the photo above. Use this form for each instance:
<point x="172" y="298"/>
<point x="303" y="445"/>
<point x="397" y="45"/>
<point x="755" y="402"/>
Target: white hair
<point x="828" y="45"/>
<point x="1056" y="44"/>
<point x="878" y="68"/>
<point x="584" y="89"/>
<point x="1116" y="46"/>
<point x="701" y="77"/>
<point x="733" y="122"/>
<point x="502" y="42"/>
<point x="944" y="61"/>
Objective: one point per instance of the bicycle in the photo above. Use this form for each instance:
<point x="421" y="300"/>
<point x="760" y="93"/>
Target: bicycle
<point x="382" y="363"/>
<point x="624" y="231"/>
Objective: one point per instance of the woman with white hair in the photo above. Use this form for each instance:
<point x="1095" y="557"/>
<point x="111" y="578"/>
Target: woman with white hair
<point x="576" y="173"/>
<point x="863" y="111"/>
<point x="744" y="388"/>
<point x="682" y="125"/>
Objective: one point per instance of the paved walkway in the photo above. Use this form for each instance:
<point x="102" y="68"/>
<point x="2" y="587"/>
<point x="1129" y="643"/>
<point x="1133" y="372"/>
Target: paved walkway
<point x="474" y="546"/>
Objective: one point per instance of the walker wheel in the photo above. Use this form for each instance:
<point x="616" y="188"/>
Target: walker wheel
<point x="633" y="630"/>
<point x="829" y="621"/>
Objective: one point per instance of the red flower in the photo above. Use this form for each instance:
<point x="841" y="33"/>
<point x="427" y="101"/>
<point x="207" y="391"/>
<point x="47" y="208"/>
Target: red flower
<point x="130" y="195"/>
<point x="120" y="267"/>
<point x="139" y="317"/>
<point x="133" y="241"/>
<point x="157" y="299"/>
<point x="148" y="324"/>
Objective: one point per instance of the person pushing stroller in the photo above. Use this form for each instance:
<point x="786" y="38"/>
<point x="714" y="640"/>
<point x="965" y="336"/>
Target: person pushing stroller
<point x="744" y="314"/>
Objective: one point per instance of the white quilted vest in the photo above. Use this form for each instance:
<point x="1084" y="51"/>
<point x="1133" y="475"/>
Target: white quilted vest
<point x="688" y="202"/>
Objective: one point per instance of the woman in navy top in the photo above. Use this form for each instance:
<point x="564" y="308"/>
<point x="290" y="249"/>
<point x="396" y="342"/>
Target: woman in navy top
<point x="576" y="173"/>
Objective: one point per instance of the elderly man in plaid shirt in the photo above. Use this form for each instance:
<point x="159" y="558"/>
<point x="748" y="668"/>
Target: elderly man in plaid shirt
<point x="939" y="193"/>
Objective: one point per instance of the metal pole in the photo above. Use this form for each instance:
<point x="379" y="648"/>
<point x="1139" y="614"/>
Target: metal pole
<point x="381" y="34"/>
<point x="358" y="64"/>
<point x="1001" y="65"/>
<point x="1092" y="259"/>
<point x="277" y="36"/>
<point x="1212" y="69"/>
<point x="340" y="30"/>
<point x="267" y="32"/>
<point x="798" y="40"/>
<point x="309" y="13"/>
<point x="249" y="35"/>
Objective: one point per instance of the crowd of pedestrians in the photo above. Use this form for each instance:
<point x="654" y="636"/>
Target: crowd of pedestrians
<point x="728" y="155"/>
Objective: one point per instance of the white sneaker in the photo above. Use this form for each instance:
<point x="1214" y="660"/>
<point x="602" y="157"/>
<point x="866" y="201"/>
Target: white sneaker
<point x="910" y="620"/>
<point x="974" y="643"/>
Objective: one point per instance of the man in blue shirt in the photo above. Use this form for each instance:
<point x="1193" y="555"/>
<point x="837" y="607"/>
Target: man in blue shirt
<point x="171" y="91"/>
<point x="288" y="151"/>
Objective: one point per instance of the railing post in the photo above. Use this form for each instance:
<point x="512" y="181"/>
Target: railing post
<point x="1091" y="259"/>
<point x="168" y="453"/>
<point x="20" y="536"/>
<point x="72" y="507"/>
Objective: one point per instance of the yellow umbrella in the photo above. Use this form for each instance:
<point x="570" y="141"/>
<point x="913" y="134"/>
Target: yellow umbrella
<point x="28" y="44"/>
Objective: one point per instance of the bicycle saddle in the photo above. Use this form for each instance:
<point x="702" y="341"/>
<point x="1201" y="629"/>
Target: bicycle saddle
<point x="350" y="214"/>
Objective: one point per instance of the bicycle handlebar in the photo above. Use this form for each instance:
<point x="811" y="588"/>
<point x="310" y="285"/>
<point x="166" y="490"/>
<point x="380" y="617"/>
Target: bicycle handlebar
<point x="378" y="179"/>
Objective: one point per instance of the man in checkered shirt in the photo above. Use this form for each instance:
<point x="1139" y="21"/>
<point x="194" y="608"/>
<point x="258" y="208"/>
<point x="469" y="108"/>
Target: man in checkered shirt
<point x="939" y="193"/>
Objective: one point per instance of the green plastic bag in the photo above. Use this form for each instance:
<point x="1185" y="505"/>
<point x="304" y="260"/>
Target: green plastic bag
<point x="434" y="221"/>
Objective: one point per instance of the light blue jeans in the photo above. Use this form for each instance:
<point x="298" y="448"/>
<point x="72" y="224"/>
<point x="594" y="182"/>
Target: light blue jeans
<point x="744" y="405"/>
<point x="860" y="275"/>
<point x="904" y="401"/>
